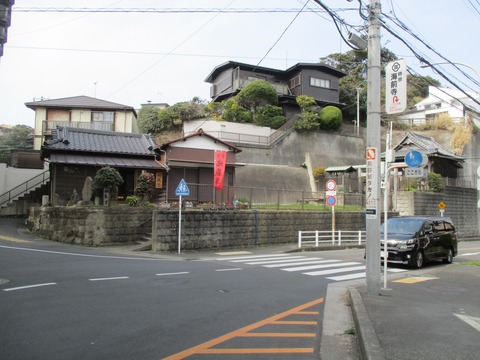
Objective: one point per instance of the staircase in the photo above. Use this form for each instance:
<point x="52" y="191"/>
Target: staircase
<point x="17" y="201"/>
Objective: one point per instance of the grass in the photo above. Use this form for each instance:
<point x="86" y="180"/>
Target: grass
<point x="473" y="262"/>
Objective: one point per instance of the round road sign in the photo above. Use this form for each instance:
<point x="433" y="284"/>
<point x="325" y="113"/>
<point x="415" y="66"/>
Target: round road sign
<point x="331" y="185"/>
<point x="331" y="200"/>
<point x="414" y="158"/>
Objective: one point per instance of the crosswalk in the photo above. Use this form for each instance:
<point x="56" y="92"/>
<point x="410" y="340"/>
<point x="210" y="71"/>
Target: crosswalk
<point x="332" y="269"/>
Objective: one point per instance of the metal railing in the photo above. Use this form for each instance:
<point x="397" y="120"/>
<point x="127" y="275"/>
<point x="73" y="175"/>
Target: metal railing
<point x="47" y="126"/>
<point x="24" y="188"/>
<point x="331" y="237"/>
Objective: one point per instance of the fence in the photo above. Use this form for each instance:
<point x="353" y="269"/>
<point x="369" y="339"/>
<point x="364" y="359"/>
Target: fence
<point x="331" y="237"/>
<point x="203" y="195"/>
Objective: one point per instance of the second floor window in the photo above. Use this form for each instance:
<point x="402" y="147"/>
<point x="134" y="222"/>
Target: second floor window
<point x="317" y="82"/>
<point x="103" y="116"/>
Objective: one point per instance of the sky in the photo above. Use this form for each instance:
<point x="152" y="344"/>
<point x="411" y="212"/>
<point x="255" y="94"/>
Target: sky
<point x="130" y="56"/>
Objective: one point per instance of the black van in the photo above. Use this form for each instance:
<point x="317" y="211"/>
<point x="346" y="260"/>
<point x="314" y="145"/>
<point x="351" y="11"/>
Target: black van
<point x="414" y="240"/>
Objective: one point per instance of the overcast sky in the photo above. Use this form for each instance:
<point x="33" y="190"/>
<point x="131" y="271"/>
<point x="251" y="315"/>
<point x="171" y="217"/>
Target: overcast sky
<point x="133" y="57"/>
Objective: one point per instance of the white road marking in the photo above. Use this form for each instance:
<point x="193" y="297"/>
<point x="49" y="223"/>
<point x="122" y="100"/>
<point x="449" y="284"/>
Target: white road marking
<point x="306" y="262"/>
<point x="110" y="278"/>
<point x="469" y="254"/>
<point x="233" y="253"/>
<point x="29" y="286"/>
<point x="334" y="271"/>
<point x="348" y="277"/>
<point x="257" y="257"/>
<point x="81" y="255"/>
<point x="282" y="260"/>
<point x="231" y="269"/>
<point x="330" y="264"/>
<point x="175" y="273"/>
<point x="470" y="320"/>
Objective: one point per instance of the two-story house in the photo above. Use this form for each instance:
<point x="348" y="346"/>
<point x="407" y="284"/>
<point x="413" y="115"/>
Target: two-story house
<point x="317" y="80"/>
<point x="82" y="112"/>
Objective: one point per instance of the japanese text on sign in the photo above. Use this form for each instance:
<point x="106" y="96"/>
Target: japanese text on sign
<point x="396" y="86"/>
<point x="219" y="169"/>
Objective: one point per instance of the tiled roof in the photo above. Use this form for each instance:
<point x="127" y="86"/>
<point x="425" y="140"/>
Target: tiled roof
<point x="201" y="132"/>
<point x="426" y="144"/>
<point x="67" y="139"/>
<point x="78" y="102"/>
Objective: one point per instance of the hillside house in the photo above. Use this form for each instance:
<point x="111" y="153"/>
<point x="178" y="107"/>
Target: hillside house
<point x="316" y="80"/>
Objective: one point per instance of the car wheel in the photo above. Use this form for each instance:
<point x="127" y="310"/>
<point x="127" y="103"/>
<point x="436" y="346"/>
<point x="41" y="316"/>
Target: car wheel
<point x="449" y="258"/>
<point x="417" y="261"/>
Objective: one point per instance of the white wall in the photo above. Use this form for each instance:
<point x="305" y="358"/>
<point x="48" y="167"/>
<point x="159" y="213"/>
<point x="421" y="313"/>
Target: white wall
<point x="11" y="177"/>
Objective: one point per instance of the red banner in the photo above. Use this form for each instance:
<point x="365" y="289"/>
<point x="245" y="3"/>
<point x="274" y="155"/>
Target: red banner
<point x="219" y="169"/>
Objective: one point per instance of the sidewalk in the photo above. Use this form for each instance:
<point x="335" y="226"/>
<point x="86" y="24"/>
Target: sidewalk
<point x="433" y="313"/>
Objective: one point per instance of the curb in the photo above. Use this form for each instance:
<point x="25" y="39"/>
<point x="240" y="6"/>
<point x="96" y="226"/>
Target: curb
<point x="368" y="343"/>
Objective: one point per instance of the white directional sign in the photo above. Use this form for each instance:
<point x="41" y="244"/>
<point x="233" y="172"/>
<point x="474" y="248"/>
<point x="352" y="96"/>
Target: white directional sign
<point x="396" y="86"/>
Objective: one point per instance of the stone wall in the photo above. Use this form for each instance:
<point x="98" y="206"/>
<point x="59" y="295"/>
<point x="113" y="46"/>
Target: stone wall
<point x="461" y="207"/>
<point x="91" y="226"/>
<point x="241" y="228"/>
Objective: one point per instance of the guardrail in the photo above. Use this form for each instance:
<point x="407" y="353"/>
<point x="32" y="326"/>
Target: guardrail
<point x="24" y="188"/>
<point x="331" y="237"/>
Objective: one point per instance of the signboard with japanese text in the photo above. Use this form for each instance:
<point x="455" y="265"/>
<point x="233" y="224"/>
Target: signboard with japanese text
<point x="415" y="172"/>
<point x="219" y="168"/>
<point x="396" y="86"/>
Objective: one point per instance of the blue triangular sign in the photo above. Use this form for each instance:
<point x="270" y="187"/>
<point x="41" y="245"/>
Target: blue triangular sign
<point x="182" y="189"/>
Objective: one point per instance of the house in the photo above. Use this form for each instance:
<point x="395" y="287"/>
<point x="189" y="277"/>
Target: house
<point x="452" y="102"/>
<point x="440" y="160"/>
<point x="80" y="112"/>
<point x="316" y="80"/>
<point x="191" y="158"/>
<point x="75" y="154"/>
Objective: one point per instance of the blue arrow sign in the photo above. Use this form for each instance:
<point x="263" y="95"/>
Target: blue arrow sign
<point x="414" y="158"/>
<point x="182" y="189"/>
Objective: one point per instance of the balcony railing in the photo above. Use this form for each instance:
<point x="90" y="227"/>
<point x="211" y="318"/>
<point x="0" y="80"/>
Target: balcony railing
<point x="48" y="125"/>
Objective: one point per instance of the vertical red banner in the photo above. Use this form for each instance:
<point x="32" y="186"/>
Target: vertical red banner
<point x="219" y="168"/>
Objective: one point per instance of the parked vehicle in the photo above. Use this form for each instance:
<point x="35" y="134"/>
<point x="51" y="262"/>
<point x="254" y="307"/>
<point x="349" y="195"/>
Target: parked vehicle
<point x="415" y="240"/>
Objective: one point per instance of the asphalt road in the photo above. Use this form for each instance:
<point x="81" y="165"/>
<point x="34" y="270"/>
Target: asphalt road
<point x="68" y="302"/>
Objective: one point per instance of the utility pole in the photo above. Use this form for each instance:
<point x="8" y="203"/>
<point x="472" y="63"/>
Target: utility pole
<point x="373" y="213"/>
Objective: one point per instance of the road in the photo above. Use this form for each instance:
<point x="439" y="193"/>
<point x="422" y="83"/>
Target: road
<point x="61" y="301"/>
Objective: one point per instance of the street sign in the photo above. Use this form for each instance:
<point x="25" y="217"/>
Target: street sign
<point x="182" y="189"/>
<point x="331" y="185"/>
<point x="396" y="86"/>
<point x="442" y="205"/>
<point x="331" y="200"/>
<point x="415" y="158"/>
<point x="416" y="172"/>
<point x="330" y="193"/>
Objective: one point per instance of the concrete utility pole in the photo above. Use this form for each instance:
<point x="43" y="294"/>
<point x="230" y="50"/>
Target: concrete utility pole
<point x="373" y="214"/>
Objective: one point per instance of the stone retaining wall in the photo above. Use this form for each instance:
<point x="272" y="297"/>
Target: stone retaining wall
<point x="242" y="228"/>
<point x="92" y="226"/>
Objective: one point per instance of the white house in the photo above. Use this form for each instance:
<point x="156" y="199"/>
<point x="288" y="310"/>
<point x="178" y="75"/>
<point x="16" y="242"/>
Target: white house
<point x="443" y="101"/>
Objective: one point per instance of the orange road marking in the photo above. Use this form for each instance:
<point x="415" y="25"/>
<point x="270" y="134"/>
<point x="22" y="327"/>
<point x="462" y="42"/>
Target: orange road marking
<point x="308" y="312"/>
<point x="258" y="351"/>
<point x="278" y="335"/>
<point x="287" y="322"/>
<point x="206" y="346"/>
<point x="8" y="238"/>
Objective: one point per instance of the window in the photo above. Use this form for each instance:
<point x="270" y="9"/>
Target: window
<point x="103" y="116"/>
<point x="293" y="82"/>
<point x="323" y="83"/>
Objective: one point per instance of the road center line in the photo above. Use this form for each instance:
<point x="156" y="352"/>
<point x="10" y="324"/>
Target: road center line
<point x="175" y="273"/>
<point x="29" y="286"/>
<point x="110" y="278"/>
<point x="231" y="269"/>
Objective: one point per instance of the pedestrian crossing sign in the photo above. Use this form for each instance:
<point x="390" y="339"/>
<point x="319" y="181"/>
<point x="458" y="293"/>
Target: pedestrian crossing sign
<point x="182" y="189"/>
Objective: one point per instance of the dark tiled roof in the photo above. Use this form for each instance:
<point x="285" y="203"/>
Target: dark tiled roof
<point x="67" y="139"/>
<point x="426" y="144"/>
<point x="114" y="161"/>
<point x="78" y="102"/>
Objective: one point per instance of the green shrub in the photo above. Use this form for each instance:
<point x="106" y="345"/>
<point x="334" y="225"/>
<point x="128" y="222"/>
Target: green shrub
<point x="107" y="177"/>
<point x="435" y="182"/>
<point x="331" y="118"/>
<point x="132" y="200"/>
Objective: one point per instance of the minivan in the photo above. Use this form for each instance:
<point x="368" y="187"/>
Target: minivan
<point x="415" y="240"/>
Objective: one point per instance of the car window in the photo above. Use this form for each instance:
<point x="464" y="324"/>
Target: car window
<point x="428" y="227"/>
<point x="449" y="226"/>
<point x="403" y="226"/>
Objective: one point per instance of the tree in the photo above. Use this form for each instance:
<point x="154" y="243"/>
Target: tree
<point x="148" y="120"/>
<point x="19" y="137"/>
<point x="331" y="118"/>
<point x="271" y="116"/>
<point x="257" y="93"/>
<point x="106" y="178"/>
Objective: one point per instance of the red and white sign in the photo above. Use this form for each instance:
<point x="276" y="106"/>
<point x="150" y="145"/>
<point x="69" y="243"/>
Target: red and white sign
<point x="396" y="86"/>
<point x="219" y="168"/>
<point x="331" y="185"/>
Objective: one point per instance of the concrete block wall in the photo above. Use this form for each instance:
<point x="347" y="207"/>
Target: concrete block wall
<point x="91" y="226"/>
<point x="233" y="229"/>
<point x="461" y="207"/>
